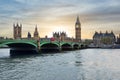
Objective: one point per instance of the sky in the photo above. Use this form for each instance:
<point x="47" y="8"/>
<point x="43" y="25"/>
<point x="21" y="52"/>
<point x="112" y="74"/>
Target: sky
<point x="60" y="15"/>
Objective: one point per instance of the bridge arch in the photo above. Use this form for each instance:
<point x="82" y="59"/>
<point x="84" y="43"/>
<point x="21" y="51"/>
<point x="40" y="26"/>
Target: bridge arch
<point x="82" y="46"/>
<point x="76" y="46"/>
<point x="21" y="48"/>
<point x="66" y="46"/>
<point x="49" y="47"/>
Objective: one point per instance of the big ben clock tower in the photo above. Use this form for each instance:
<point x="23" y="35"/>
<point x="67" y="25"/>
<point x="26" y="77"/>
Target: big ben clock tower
<point x="78" y="30"/>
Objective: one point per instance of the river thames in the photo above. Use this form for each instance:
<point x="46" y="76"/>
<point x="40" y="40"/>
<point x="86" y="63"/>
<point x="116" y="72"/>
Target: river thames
<point x="86" y="64"/>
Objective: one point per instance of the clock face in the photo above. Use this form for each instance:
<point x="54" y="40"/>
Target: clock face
<point x="77" y="26"/>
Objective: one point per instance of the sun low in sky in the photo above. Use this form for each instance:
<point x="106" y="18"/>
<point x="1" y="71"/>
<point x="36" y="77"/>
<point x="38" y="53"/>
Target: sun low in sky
<point x="60" y="15"/>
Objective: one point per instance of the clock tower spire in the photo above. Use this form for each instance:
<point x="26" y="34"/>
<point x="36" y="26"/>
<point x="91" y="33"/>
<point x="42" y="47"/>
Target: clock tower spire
<point x="78" y="30"/>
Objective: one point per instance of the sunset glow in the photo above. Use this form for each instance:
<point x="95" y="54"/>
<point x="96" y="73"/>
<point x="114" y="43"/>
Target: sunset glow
<point x="59" y="15"/>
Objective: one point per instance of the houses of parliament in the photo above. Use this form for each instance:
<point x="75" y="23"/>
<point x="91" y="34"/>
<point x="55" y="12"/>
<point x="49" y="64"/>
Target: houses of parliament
<point x="17" y="33"/>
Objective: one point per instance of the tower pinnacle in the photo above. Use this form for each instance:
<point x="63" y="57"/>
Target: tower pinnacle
<point x="17" y="31"/>
<point x="36" y="34"/>
<point x="78" y="30"/>
<point x="77" y="21"/>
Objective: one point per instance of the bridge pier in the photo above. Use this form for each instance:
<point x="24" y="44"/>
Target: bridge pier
<point x="38" y="46"/>
<point x="60" y="49"/>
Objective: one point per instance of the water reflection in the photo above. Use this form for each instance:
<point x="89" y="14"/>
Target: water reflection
<point x="88" y="64"/>
<point x="4" y="53"/>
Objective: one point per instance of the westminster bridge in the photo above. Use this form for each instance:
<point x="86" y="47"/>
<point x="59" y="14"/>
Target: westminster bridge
<point x="40" y="46"/>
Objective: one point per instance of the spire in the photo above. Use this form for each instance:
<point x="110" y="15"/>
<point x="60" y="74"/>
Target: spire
<point x="29" y="35"/>
<point x="17" y="24"/>
<point x="111" y="31"/>
<point x="36" y="31"/>
<point x="100" y="32"/>
<point x="106" y="32"/>
<point x="77" y="20"/>
<point x="36" y="28"/>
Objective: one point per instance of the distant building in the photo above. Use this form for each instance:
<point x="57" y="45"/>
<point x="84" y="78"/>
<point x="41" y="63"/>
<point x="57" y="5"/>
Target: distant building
<point x="17" y="31"/>
<point x="36" y="34"/>
<point x="100" y="39"/>
<point x="29" y="35"/>
<point x="78" y="30"/>
<point x="62" y="36"/>
<point x="1" y="38"/>
<point x="118" y="39"/>
<point x="56" y="35"/>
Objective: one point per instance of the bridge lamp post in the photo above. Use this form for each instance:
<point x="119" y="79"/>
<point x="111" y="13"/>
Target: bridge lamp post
<point x="59" y="43"/>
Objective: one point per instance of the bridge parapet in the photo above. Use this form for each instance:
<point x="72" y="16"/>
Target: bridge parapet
<point x="7" y="42"/>
<point x="56" y="45"/>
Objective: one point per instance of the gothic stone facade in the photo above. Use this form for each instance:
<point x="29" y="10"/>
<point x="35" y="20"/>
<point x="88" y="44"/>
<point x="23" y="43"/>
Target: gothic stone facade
<point x="103" y="38"/>
<point x="17" y="31"/>
<point x="78" y="30"/>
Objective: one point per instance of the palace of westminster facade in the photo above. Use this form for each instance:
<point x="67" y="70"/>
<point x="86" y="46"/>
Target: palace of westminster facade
<point x="17" y="33"/>
<point x="62" y="36"/>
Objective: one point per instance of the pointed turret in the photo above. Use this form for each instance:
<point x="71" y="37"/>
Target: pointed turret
<point x="106" y="32"/>
<point x="111" y="31"/>
<point x="77" y="20"/>
<point x="36" y="28"/>
<point x="17" y="24"/>
<point x="36" y="34"/>
<point x="29" y="35"/>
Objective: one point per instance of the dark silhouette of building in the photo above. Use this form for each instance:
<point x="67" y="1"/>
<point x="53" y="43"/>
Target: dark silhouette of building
<point x="1" y="38"/>
<point x="56" y="35"/>
<point x="100" y="39"/>
<point x="60" y="36"/>
<point x="29" y="35"/>
<point x="17" y="31"/>
<point x="118" y="39"/>
<point x="78" y="30"/>
<point x="36" y="34"/>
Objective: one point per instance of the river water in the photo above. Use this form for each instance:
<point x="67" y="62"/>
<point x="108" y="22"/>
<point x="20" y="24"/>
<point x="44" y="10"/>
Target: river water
<point x="86" y="64"/>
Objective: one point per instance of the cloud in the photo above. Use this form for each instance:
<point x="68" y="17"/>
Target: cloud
<point x="60" y="12"/>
